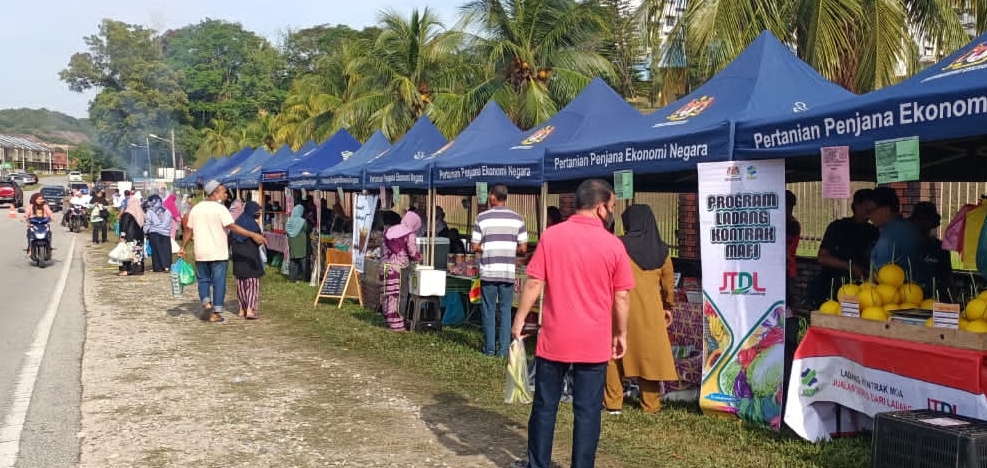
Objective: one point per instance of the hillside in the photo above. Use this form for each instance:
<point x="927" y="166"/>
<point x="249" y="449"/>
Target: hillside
<point x="45" y="125"/>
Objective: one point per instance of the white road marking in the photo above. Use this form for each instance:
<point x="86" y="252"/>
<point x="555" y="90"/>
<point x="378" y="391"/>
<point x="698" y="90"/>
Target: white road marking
<point x="13" y="423"/>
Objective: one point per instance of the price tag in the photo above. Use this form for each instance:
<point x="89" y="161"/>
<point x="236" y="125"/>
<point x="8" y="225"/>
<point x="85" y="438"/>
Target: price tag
<point x="850" y="306"/>
<point x="945" y="315"/>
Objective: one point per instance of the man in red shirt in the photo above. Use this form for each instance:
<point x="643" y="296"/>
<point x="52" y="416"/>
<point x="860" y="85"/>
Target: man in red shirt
<point x="586" y="276"/>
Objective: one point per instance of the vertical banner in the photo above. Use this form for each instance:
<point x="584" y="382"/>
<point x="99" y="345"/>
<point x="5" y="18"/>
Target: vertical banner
<point x="742" y="243"/>
<point x="363" y="219"/>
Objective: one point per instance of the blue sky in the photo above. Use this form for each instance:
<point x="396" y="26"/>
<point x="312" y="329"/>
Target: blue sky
<point x="38" y="36"/>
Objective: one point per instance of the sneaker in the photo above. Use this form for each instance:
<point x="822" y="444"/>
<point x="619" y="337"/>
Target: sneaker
<point x="520" y="464"/>
<point x="614" y="412"/>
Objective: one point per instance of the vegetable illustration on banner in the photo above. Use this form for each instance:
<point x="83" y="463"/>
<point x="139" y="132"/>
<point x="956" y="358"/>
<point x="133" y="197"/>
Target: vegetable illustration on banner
<point x="742" y="234"/>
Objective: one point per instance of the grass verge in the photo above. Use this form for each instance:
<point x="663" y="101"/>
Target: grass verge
<point x="449" y="363"/>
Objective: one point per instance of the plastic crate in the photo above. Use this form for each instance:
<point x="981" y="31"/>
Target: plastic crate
<point x="928" y="439"/>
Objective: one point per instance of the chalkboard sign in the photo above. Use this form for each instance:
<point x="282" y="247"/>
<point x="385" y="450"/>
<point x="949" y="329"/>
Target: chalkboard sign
<point x="339" y="281"/>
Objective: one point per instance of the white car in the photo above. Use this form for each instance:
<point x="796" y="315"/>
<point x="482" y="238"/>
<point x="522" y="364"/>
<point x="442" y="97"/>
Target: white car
<point x="75" y="176"/>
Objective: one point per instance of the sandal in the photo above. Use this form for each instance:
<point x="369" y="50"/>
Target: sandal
<point x="216" y="318"/>
<point x="123" y="273"/>
<point x="251" y="316"/>
<point x="242" y="313"/>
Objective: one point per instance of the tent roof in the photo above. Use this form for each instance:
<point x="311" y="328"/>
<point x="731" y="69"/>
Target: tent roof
<point x="405" y="164"/>
<point x="518" y="161"/>
<point x="490" y="127"/>
<point x="249" y="177"/>
<point x="334" y="151"/>
<point x="349" y="173"/>
<point x="945" y="105"/>
<point x="230" y="172"/>
<point x="223" y="164"/>
<point x="765" y="79"/>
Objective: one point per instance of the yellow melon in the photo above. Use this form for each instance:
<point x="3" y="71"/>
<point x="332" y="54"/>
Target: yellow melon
<point x="848" y="289"/>
<point x="975" y="309"/>
<point x="982" y="295"/>
<point x="927" y="304"/>
<point x="907" y="306"/>
<point x="867" y="285"/>
<point x="874" y="313"/>
<point x="869" y="298"/>
<point x="892" y="275"/>
<point x="911" y="292"/>
<point x="888" y="293"/>
<point x="891" y="307"/>
<point x="830" y="307"/>
<point x="929" y="323"/>
<point x="975" y="326"/>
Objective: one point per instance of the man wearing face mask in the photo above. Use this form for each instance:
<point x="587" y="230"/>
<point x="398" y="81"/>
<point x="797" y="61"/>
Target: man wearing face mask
<point x="586" y="276"/>
<point x="498" y="236"/>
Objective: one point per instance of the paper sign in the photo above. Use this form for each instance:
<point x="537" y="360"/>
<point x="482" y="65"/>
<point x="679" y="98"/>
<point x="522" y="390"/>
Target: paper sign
<point x="836" y="172"/>
<point x="385" y="203"/>
<point x="850" y="306"/>
<point x="396" y="194"/>
<point x="339" y="195"/>
<point x="945" y="315"/>
<point x="623" y="184"/>
<point x="897" y="160"/>
<point x="481" y="193"/>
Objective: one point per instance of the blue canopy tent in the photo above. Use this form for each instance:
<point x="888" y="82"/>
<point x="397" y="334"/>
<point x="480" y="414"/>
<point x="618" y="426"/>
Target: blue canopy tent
<point x="249" y="178"/>
<point x="518" y="161"/>
<point x="491" y="126"/>
<point x="333" y="151"/>
<point x="945" y="105"/>
<point x="765" y="79"/>
<point x="202" y="176"/>
<point x="275" y="171"/>
<point x="308" y="146"/>
<point x="348" y="174"/>
<point x="405" y="164"/>
<point x="189" y="180"/>
<point x="228" y="175"/>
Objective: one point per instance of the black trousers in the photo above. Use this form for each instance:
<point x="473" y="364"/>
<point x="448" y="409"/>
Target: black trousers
<point x="99" y="227"/>
<point x="298" y="269"/>
<point x="160" y="251"/>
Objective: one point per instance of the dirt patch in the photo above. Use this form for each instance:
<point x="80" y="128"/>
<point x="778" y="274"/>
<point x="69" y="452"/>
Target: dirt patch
<point x="161" y="388"/>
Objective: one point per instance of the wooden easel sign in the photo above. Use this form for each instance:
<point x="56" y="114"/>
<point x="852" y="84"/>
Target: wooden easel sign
<point x="339" y="282"/>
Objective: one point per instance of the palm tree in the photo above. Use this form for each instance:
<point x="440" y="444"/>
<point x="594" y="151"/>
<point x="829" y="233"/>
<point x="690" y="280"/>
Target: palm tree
<point x="260" y="132"/>
<point x="541" y="53"/>
<point x="308" y="113"/>
<point x="856" y="43"/>
<point x="217" y="140"/>
<point x="411" y="62"/>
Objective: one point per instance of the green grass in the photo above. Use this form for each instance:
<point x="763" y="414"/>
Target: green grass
<point x="449" y="364"/>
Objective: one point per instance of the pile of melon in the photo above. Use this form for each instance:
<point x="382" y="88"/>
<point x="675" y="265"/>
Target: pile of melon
<point x="891" y="292"/>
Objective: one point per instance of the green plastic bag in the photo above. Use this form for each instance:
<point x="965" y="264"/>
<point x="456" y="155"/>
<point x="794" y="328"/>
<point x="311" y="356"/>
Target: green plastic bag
<point x="186" y="274"/>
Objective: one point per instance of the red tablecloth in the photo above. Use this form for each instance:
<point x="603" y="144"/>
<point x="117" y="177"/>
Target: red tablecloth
<point x="862" y="375"/>
<point x="276" y="241"/>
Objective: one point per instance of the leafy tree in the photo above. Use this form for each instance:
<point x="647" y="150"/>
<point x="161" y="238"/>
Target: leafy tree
<point x="229" y="72"/>
<point x="541" y="53"/>
<point x="219" y="139"/>
<point x="623" y="45"/>
<point x="138" y="94"/>
<point x="304" y="48"/>
<point x="91" y="159"/>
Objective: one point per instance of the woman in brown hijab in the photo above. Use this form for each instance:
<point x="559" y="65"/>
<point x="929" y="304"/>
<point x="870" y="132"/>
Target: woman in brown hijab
<point x="649" y="351"/>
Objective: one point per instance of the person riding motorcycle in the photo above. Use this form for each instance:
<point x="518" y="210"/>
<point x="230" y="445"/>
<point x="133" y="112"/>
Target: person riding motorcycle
<point x="82" y="202"/>
<point x="38" y="205"/>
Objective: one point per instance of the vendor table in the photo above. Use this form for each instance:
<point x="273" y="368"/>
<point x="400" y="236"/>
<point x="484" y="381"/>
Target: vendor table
<point x="276" y="241"/>
<point x="840" y="380"/>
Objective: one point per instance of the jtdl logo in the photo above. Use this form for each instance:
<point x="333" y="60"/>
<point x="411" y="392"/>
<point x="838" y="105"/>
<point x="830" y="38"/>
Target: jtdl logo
<point x="809" y="382"/>
<point x="741" y="283"/>
<point x="942" y="406"/>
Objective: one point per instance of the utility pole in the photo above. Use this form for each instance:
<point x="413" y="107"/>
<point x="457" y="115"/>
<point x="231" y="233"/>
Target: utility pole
<point x="174" y="168"/>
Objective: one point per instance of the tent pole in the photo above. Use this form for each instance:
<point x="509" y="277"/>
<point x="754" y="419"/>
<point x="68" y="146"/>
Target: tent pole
<point x="544" y="225"/>
<point x="431" y="227"/>
<point x="318" y="235"/>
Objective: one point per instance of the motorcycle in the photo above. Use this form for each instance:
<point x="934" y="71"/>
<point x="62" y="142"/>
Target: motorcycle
<point x="40" y="241"/>
<point x="76" y="218"/>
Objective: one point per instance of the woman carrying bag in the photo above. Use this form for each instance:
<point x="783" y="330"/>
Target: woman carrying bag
<point x="248" y="267"/>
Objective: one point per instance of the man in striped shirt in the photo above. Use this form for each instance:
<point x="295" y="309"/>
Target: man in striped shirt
<point x="499" y="235"/>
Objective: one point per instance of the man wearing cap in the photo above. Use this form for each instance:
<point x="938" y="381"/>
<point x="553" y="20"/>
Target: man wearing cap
<point x="207" y="225"/>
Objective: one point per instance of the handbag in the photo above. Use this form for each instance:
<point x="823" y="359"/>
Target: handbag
<point x="122" y="253"/>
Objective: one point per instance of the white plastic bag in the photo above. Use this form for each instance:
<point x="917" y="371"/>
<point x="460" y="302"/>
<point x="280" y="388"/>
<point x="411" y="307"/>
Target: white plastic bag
<point x="516" y="384"/>
<point x="122" y="253"/>
<point x="175" y="247"/>
<point x="263" y="254"/>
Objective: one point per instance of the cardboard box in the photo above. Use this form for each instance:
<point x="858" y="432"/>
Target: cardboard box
<point x="901" y="331"/>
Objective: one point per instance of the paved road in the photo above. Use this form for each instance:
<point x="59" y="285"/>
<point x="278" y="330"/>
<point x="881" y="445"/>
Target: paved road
<point x="42" y="328"/>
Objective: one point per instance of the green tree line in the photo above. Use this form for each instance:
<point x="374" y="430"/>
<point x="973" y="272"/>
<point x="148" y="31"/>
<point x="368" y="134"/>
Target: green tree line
<point x="222" y="87"/>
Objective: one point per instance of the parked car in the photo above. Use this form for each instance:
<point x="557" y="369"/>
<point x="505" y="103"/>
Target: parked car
<point x="20" y="178"/>
<point x="54" y="195"/>
<point x="11" y="193"/>
<point x="75" y="176"/>
<point x="29" y="178"/>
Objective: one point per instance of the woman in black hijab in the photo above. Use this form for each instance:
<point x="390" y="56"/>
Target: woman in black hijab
<point x="649" y="351"/>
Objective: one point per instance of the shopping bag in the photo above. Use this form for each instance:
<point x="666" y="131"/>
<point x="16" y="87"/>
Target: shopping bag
<point x="475" y="294"/>
<point x="175" y="247"/>
<point x="186" y="274"/>
<point x="116" y="228"/>
<point x="176" y="282"/>
<point x="516" y="388"/>
<point x="122" y="253"/>
<point x="147" y="249"/>
<point x="263" y="254"/>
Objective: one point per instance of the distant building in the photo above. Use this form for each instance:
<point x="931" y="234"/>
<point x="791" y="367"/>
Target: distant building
<point x="21" y="153"/>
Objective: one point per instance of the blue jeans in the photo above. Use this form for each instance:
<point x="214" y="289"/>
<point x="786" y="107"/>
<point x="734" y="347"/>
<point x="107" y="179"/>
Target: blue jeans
<point x="587" y="406"/>
<point x="212" y="274"/>
<point x="491" y="293"/>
